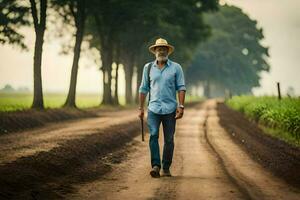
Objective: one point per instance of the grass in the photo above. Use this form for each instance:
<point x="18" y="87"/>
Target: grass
<point x="278" y="118"/>
<point x="17" y="101"/>
<point x="10" y="102"/>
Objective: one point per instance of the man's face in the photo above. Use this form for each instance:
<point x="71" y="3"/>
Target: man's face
<point x="161" y="53"/>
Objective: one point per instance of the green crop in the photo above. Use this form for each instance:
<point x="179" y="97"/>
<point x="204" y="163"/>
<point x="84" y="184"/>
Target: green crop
<point x="281" y="114"/>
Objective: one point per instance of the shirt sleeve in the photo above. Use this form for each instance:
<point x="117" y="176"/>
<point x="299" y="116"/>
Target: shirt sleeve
<point x="180" y="83"/>
<point x="144" y="87"/>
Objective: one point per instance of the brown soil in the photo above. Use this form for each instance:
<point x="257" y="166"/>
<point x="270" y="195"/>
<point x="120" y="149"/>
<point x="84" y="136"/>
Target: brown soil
<point x="276" y="155"/>
<point x="31" y="118"/>
<point x="50" y="174"/>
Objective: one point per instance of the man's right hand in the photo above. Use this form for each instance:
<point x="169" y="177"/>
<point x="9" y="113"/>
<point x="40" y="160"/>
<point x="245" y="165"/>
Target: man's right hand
<point x="141" y="115"/>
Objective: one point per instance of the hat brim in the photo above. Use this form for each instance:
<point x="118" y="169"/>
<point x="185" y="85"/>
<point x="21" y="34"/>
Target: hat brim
<point x="170" y="47"/>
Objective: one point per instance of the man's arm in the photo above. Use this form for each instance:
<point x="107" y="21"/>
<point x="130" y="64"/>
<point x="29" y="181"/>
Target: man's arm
<point x="180" y="87"/>
<point x="181" y="98"/>
<point x="142" y="98"/>
<point x="143" y="91"/>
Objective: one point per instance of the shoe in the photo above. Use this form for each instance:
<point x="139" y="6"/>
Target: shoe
<point x="155" y="172"/>
<point x="166" y="172"/>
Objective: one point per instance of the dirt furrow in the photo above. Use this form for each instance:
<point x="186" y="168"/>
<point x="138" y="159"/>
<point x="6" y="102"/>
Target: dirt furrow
<point x="251" y="177"/>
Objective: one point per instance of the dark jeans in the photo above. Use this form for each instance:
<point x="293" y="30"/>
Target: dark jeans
<point x="168" y="121"/>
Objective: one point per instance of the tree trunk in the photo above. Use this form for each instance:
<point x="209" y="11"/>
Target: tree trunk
<point x="39" y="26"/>
<point x="104" y="95"/>
<point x="128" y="86"/>
<point x="106" y="88"/>
<point x="38" y="101"/>
<point x="70" y="102"/>
<point x="116" y="95"/>
<point x="128" y="79"/>
<point x="79" y="21"/>
<point x="207" y="89"/>
<point x="138" y="81"/>
<point x="106" y="55"/>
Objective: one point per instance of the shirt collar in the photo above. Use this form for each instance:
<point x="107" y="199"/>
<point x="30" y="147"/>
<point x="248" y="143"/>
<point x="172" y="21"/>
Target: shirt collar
<point x="168" y="63"/>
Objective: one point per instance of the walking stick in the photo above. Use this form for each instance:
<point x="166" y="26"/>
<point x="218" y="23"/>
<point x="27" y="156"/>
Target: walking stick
<point x="142" y="123"/>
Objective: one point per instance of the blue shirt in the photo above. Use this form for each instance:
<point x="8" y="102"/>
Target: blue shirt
<point x="164" y="84"/>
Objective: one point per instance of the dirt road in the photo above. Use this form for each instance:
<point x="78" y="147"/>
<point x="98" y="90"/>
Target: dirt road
<point x="207" y="165"/>
<point x="31" y="142"/>
<point x="96" y="158"/>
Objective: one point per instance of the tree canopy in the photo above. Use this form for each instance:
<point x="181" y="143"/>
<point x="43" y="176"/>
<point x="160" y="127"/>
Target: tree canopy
<point x="232" y="58"/>
<point x="13" y="16"/>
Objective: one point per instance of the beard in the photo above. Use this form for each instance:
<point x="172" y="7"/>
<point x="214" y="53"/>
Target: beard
<point x="161" y="58"/>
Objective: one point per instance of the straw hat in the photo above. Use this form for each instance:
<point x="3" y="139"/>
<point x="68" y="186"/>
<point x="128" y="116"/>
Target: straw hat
<point x="161" y="42"/>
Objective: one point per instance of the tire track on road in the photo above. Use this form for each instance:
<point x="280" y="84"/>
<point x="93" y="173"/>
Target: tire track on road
<point x="199" y="174"/>
<point x="231" y="177"/>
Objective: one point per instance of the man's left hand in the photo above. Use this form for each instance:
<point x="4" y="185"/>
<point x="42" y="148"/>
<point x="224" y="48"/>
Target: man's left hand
<point x="179" y="113"/>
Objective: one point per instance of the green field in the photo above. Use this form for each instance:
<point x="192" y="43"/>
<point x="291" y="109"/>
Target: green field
<point x="16" y="101"/>
<point x="279" y="118"/>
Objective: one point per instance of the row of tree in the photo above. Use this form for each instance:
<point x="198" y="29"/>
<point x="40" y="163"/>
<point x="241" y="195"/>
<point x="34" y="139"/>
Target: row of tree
<point x="121" y="31"/>
<point x="231" y="60"/>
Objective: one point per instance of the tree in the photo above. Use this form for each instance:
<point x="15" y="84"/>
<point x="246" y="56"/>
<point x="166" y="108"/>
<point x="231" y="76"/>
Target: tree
<point x="39" y="22"/>
<point x="15" y="14"/>
<point x="232" y="58"/>
<point x="74" y="13"/>
<point x="101" y="25"/>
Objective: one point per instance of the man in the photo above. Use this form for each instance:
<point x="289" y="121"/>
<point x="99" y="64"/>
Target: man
<point x="166" y="77"/>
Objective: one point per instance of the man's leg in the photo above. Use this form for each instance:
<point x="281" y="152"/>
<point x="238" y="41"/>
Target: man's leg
<point x="154" y="121"/>
<point x="169" y="123"/>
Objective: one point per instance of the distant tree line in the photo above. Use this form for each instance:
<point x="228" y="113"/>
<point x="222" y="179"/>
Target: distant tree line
<point x="121" y="30"/>
<point x="9" y="89"/>
<point x="231" y="60"/>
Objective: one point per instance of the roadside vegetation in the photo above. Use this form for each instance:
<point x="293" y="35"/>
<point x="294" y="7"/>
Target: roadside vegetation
<point x="280" y="118"/>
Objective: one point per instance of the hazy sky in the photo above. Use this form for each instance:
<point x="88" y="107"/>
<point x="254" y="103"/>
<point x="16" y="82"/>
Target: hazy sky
<point x="279" y="19"/>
